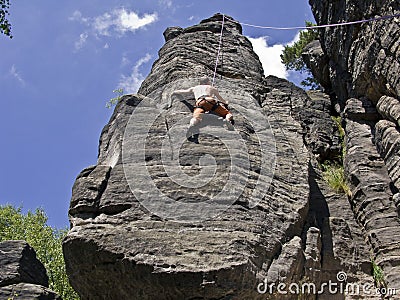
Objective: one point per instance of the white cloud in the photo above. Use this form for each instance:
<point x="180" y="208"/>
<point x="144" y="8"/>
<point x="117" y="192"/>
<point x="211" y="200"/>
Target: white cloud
<point x="115" y="23"/>
<point x="295" y="39"/>
<point x="77" y="16"/>
<point x="270" y="56"/>
<point x="81" y="42"/>
<point x="14" y="73"/>
<point x="121" y="21"/>
<point x="166" y="3"/>
<point x="125" y="61"/>
<point x="102" y="24"/>
<point x="131" y="84"/>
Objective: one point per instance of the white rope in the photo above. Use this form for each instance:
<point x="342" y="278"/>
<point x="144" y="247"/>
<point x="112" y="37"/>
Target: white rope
<point x="219" y="49"/>
<point x="292" y="28"/>
<point x="319" y="26"/>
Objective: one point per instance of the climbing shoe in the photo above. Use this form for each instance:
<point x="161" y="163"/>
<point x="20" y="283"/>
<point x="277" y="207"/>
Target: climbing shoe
<point x="192" y="135"/>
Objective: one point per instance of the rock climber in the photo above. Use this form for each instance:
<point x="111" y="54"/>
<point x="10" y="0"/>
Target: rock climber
<point x="207" y="99"/>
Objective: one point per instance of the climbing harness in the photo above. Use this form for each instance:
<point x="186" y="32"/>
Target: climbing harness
<point x="203" y="101"/>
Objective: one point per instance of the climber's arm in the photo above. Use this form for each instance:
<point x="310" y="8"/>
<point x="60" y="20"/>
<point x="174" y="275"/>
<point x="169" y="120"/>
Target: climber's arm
<point x="216" y="93"/>
<point x="178" y="92"/>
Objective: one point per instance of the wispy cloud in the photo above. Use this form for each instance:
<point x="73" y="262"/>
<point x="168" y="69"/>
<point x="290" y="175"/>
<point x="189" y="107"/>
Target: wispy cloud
<point x="116" y="23"/>
<point x="17" y="75"/>
<point x="165" y="3"/>
<point x="125" y="61"/>
<point x="81" y="42"/>
<point x="270" y="56"/>
<point x="77" y="16"/>
<point x="131" y="83"/>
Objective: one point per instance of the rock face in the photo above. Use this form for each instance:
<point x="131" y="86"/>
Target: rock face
<point x="363" y="58"/>
<point x="234" y="213"/>
<point x="318" y="62"/>
<point x="22" y="276"/>
<point x="363" y="63"/>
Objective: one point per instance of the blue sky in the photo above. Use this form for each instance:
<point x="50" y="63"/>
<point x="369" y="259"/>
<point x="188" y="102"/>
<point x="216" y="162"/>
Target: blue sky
<point x="67" y="57"/>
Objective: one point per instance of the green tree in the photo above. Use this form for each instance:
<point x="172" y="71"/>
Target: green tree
<point x="47" y="242"/>
<point x="292" y="59"/>
<point x="114" y="101"/>
<point x="5" y="26"/>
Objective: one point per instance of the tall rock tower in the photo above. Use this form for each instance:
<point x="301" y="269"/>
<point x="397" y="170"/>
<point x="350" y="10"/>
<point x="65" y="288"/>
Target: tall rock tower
<point x="362" y="64"/>
<point x="229" y="216"/>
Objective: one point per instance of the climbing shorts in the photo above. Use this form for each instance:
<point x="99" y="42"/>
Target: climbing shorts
<point x="206" y="104"/>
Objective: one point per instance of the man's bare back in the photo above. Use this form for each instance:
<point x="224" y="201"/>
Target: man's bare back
<point x="202" y="90"/>
<point x="206" y="90"/>
<point x="207" y="99"/>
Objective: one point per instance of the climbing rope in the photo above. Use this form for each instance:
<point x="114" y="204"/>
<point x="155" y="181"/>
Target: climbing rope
<point x="319" y="26"/>
<point x="291" y="28"/>
<point x="219" y="49"/>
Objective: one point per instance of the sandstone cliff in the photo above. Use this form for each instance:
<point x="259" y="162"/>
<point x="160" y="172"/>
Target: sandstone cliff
<point x="361" y="66"/>
<point x="159" y="217"/>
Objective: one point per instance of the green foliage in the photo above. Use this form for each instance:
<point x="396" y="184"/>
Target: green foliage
<point x="338" y="122"/>
<point x="333" y="174"/>
<point x="333" y="171"/>
<point x="291" y="55"/>
<point x="342" y="135"/>
<point x="5" y="26"/>
<point x="378" y="275"/>
<point x="47" y="242"/>
<point x="292" y="59"/>
<point x="310" y="81"/>
<point x="114" y="101"/>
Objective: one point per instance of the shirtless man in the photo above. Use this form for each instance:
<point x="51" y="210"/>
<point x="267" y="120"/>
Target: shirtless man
<point x="207" y="99"/>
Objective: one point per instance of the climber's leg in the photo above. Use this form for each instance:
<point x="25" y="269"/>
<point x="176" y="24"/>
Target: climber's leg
<point x="222" y="111"/>
<point x="192" y="134"/>
<point x="197" y="116"/>
<point x="229" y="117"/>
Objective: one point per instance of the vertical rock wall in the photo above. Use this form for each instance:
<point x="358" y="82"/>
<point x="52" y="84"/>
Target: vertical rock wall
<point x="364" y="62"/>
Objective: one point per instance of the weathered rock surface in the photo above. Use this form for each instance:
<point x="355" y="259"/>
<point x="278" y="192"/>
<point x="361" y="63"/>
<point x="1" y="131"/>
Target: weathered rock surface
<point x="139" y="255"/>
<point x="142" y="229"/>
<point x="363" y="59"/>
<point x="389" y="108"/>
<point x="22" y="276"/>
<point x="321" y="134"/>
<point x="191" y="52"/>
<point x="372" y="197"/>
<point x="388" y="144"/>
<point x="318" y="62"/>
<point x="363" y="62"/>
